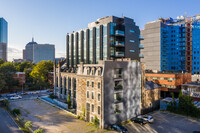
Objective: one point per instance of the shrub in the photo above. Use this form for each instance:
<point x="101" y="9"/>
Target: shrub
<point x="38" y="131"/>
<point x="69" y="101"/>
<point x="28" y="125"/>
<point x="6" y="103"/>
<point x="16" y="112"/>
<point x="96" y="121"/>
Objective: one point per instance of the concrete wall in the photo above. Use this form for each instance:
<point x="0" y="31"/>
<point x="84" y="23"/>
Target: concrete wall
<point x="152" y="45"/>
<point x="131" y="81"/>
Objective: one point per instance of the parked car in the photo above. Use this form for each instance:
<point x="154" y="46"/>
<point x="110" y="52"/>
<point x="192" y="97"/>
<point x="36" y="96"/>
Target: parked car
<point x="148" y="118"/>
<point x="16" y="97"/>
<point x="3" y="98"/>
<point x="119" y="128"/>
<point x="141" y="121"/>
<point x="11" y="95"/>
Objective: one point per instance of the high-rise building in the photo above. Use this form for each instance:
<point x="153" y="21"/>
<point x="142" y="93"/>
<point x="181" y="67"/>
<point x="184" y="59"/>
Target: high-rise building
<point x="37" y="52"/>
<point x="3" y="38"/>
<point x="172" y="44"/>
<point x="107" y="38"/>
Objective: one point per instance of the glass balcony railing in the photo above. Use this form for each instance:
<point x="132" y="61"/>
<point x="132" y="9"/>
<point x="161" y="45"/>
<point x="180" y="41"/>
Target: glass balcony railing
<point x="141" y="55"/>
<point x="118" y="43"/>
<point x="141" y="46"/>
<point x="119" y="33"/>
<point x="119" y="54"/>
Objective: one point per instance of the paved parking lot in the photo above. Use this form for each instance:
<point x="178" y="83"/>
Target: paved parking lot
<point x="51" y="119"/>
<point x="165" y="122"/>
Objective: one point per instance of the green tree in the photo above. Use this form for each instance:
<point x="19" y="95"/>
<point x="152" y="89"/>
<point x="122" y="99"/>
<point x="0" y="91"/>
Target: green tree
<point x="1" y="61"/>
<point x="40" y="73"/>
<point x="28" y="125"/>
<point x="8" y="69"/>
<point x="69" y="101"/>
<point x="2" y="82"/>
<point x="24" y="65"/>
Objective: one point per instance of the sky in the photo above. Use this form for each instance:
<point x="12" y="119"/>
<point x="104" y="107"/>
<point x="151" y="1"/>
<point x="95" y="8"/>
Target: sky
<point x="49" y="21"/>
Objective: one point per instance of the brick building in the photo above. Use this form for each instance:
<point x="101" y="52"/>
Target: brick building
<point x="109" y="90"/>
<point x="20" y="76"/>
<point x="150" y="98"/>
<point x="169" y="82"/>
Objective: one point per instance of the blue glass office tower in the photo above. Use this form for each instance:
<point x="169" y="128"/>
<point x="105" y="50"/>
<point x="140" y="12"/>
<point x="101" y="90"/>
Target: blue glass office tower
<point x="172" y="44"/>
<point x="3" y="38"/>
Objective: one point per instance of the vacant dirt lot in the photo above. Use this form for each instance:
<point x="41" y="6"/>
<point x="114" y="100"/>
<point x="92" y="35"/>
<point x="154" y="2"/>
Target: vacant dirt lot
<point x="51" y="119"/>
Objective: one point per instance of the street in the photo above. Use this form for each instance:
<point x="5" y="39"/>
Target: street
<point x="7" y="125"/>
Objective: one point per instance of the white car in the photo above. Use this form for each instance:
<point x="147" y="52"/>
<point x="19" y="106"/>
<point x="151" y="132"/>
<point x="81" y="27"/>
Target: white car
<point x="16" y="97"/>
<point x="148" y="118"/>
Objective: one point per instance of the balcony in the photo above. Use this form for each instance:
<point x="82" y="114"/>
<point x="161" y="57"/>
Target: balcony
<point x="118" y="88"/>
<point x="119" y="44"/>
<point x="141" y="37"/>
<point x="141" y="46"/>
<point x="119" y="54"/>
<point x="117" y="75"/>
<point x="118" y="99"/>
<point x="141" y="55"/>
<point x="119" y="33"/>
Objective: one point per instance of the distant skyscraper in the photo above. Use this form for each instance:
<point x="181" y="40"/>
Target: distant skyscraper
<point x="35" y="53"/>
<point x="3" y="38"/>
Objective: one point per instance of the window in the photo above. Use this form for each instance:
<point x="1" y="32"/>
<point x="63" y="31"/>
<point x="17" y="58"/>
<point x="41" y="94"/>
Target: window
<point x="92" y="95"/>
<point x="132" y="51"/>
<point x="99" y="96"/>
<point x="88" y="83"/>
<point x="99" y="85"/>
<point x="92" y="72"/>
<point x="132" y="41"/>
<point x="88" y="72"/>
<point x="99" y="72"/>
<point x="92" y="84"/>
<point x="88" y="94"/>
<point x="99" y="110"/>
<point x="132" y="31"/>
<point x="93" y="108"/>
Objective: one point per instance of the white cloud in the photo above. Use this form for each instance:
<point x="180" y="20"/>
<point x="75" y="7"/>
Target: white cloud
<point x="14" y="53"/>
<point x="60" y="54"/>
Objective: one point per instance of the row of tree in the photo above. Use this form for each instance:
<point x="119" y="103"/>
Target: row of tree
<point x="185" y="106"/>
<point x="36" y="74"/>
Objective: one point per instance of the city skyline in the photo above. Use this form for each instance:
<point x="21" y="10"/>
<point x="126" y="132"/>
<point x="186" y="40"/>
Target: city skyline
<point x="50" y="21"/>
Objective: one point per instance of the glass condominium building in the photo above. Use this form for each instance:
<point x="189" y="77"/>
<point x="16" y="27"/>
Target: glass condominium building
<point x="108" y="38"/>
<point x="3" y="38"/>
<point x="172" y="44"/>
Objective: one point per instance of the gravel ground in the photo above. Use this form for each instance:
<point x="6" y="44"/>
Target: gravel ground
<point x="51" y="119"/>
